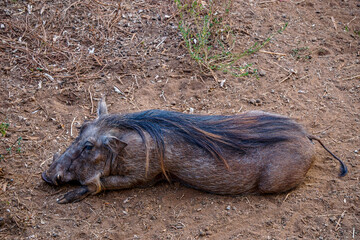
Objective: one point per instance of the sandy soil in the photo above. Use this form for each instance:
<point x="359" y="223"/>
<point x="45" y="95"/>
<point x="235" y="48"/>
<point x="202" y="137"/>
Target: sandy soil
<point x="58" y="57"/>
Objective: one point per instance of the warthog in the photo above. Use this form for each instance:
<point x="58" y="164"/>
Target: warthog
<point x="254" y="152"/>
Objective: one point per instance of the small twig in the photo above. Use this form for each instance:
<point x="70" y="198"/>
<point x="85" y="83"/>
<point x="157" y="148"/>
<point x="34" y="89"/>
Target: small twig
<point x="351" y="21"/>
<point x="333" y="21"/>
<point x="351" y="78"/>
<point x="287" y="195"/>
<point x="281" y="67"/>
<point x="273" y="53"/>
<point x="338" y="222"/>
<point x="162" y="40"/>
<point x="91" y="100"/>
<point x="214" y="75"/>
<point x="71" y="127"/>
<point x="163" y="95"/>
<point x="41" y="164"/>
<point x="272" y="1"/>
<point x="353" y="233"/>
<point x="133" y="36"/>
<point x="286" y="78"/>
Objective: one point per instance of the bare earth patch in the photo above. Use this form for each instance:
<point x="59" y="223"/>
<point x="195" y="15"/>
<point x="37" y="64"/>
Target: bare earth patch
<point x="58" y="57"/>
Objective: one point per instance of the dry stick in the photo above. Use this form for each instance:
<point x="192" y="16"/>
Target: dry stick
<point x="351" y="21"/>
<point x="333" y="20"/>
<point x="133" y="36"/>
<point x="281" y="67"/>
<point x="273" y="1"/>
<point x="71" y="126"/>
<point x="214" y="75"/>
<point x="353" y="233"/>
<point x="92" y="102"/>
<point x="351" y="78"/>
<point x="97" y="60"/>
<point x="338" y="222"/>
<point x="287" y="195"/>
<point x="286" y="78"/>
<point x="273" y="53"/>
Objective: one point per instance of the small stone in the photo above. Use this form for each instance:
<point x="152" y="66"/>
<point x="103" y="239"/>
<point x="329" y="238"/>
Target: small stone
<point x="332" y="219"/>
<point x="262" y="73"/>
<point x="256" y="102"/>
<point x="228" y="208"/>
<point x="202" y="233"/>
<point x="2" y="26"/>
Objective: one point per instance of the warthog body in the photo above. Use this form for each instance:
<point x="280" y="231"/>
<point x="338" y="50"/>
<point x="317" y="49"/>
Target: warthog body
<point x="254" y="152"/>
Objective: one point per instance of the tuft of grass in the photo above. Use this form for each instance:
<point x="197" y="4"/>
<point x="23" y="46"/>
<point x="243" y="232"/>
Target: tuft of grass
<point x="301" y="53"/>
<point x="209" y="38"/>
<point x="16" y="145"/>
<point x="3" y="128"/>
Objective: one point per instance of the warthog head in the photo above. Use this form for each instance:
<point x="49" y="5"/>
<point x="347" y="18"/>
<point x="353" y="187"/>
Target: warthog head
<point x="88" y="158"/>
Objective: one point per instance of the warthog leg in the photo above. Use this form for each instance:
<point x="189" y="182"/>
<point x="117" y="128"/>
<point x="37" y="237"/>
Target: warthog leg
<point x="75" y="195"/>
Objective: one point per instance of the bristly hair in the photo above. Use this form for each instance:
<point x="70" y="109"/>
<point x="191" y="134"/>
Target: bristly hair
<point x="211" y="133"/>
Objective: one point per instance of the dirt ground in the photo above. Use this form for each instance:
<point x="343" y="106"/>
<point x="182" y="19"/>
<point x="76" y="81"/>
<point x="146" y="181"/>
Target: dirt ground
<point x="58" y="57"/>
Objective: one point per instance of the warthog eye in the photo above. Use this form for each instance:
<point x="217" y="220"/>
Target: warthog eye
<point x="88" y="146"/>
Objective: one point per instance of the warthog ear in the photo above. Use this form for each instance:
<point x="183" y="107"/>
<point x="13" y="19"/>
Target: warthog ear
<point x="114" y="143"/>
<point x="102" y="109"/>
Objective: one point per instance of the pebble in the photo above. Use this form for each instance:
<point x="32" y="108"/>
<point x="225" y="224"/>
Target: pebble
<point x="262" y="73"/>
<point x="256" y="102"/>
<point x="2" y="26"/>
<point x="202" y="233"/>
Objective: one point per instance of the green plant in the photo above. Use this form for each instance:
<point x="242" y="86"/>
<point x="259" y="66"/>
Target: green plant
<point x="3" y="128"/>
<point x="209" y="38"/>
<point x="17" y="143"/>
<point x="301" y="53"/>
